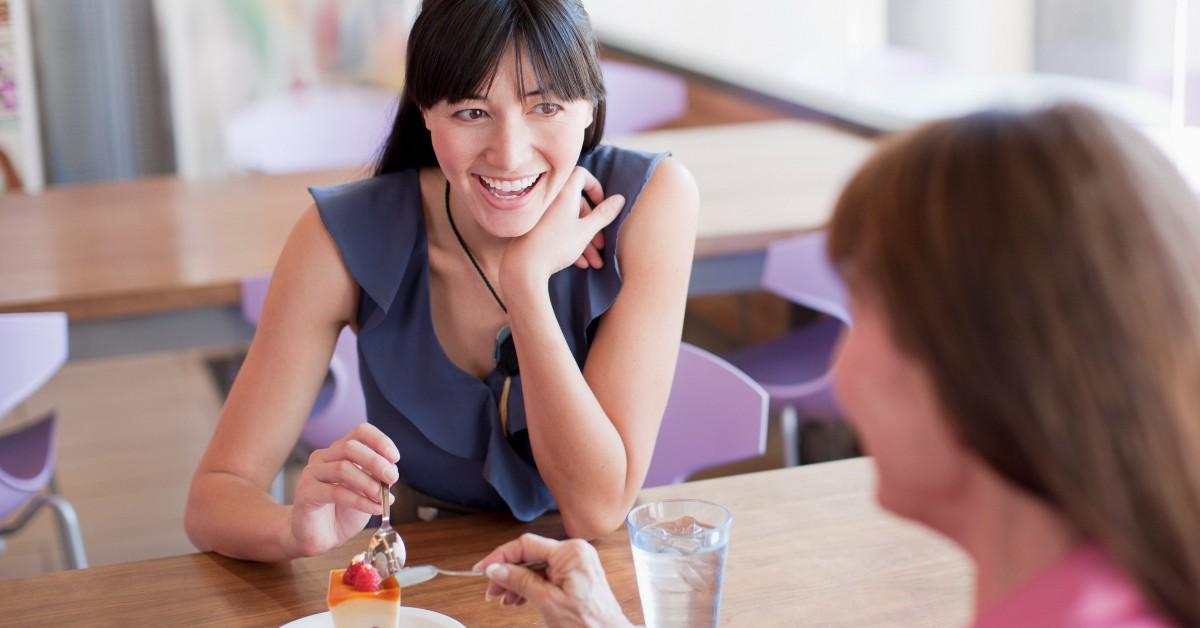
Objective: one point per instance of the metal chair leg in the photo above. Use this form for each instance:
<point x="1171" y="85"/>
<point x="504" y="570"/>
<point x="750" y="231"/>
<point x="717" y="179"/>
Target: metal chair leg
<point x="68" y="527"/>
<point x="68" y="531"/>
<point x="789" y="436"/>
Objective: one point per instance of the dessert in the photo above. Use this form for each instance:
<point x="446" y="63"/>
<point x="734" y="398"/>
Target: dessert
<point x="359" y="598"/>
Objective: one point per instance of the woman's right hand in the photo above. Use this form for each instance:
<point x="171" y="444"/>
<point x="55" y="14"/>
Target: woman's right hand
<point x="573" y="592"/>
<point x="338" y="490"/>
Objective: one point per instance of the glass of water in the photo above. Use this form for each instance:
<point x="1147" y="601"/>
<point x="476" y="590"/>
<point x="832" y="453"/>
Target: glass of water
<point x="679" y="548"/>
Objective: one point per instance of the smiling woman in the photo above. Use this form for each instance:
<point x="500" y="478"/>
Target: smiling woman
<point x="518" y="292"/>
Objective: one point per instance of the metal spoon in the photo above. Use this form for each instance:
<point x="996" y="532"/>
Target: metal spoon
<point x="417" y="574"/>
<point x="386" y="551"/>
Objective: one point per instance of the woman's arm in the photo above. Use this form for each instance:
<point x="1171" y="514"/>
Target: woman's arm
<point x="593" y="432"/>
<point x="311" y="297"/>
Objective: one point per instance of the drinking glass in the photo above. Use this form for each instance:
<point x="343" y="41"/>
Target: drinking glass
<point x="679" y="549"/>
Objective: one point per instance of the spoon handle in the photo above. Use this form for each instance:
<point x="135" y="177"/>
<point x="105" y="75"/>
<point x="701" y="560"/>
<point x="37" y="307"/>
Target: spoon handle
<point x="387" y="515"/>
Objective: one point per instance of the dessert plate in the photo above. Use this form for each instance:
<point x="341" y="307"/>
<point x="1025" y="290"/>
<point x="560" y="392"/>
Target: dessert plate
<point x="410" y="617"/>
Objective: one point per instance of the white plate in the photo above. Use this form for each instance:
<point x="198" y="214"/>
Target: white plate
<point x="409" y="618"/>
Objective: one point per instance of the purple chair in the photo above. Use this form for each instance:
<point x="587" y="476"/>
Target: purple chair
<point x="340" y="404"/>
<point x="715" y="415"/>
<point x="640" y="98"/>
<point x="796" y="370"/>
<point x="35" y="346"/>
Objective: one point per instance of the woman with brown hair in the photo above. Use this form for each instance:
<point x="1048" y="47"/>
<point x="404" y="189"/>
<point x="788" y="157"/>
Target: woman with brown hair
<point x="1024" y="368"/>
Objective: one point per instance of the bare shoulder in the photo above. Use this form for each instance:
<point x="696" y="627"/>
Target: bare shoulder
<point x="663" y="222"/>
<point x="673" y="186"/>
<point x="311" y="274"/>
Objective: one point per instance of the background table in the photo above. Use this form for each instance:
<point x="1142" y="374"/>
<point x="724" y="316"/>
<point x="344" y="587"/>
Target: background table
<point x="156" y="264"/>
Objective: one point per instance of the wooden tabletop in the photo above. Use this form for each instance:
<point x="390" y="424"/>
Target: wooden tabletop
<point x="809" y="548"/>
<point x="161" y="244"/>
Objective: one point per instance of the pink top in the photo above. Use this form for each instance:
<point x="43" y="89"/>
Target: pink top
<point x="1083" y="590"/>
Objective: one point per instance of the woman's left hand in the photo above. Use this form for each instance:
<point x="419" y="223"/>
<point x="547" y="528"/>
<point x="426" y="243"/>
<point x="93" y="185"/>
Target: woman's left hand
<point x="568" y="233"/>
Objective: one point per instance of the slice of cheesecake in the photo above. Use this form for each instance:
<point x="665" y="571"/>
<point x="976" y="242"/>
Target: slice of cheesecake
<point x="353" y="608"/>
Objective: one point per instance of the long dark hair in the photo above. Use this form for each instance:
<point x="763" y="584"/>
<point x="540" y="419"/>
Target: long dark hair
<point x="455" y="47"/>
<point x="1043" y="267"/>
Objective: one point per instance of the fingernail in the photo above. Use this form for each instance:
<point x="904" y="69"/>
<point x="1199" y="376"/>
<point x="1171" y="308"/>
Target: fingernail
<point x="504" y="601"/>
<point x="487" y="596"/>
<point x="497" y="571"/>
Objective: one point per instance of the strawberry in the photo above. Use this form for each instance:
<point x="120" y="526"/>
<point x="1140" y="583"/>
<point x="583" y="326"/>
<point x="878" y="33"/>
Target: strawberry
<point x="351" y="573"/>
<point x="356" y="565"/>
<point x="367" y="578"/>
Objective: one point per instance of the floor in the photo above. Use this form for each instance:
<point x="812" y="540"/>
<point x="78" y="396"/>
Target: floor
<point x="132" y="429"/>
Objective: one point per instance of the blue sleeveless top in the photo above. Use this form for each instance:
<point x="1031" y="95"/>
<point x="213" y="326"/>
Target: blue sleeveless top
<point x="445" y="421"/>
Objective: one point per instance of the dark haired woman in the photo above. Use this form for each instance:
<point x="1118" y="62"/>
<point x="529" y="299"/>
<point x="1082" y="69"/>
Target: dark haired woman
<point x="517" y="343"/>
<point x="1024" y="368"/>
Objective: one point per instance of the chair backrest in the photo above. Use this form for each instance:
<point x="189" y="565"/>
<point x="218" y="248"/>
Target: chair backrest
<point x="798" y="270"/>
<point x="26" y="462"/>
<point x="715" y="415"/>
<point x="34" y="348"/>
<point x="345" y="406"/>
<point x="254" y="294"/>
<point x="640" y="98"/>
<point x="317" y="127"/>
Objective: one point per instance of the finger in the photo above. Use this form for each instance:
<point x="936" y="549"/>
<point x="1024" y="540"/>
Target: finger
<point x="374" y="438"/>
<point x="377" y="466"/>
<point x="348" y="475"/>
<point x="510" y="599"/>
<point x="598" y="241"/>
<point x="581" y="263"/>
<point x="604" y="213"/>
<point x="589" y="185"/>
<point x="593" y="257"/>
<point x="519" y="582"/>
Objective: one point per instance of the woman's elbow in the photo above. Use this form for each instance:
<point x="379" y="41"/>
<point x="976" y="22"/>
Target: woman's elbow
<point x="194" y="519"/>
<point x="592" y="523"/>
<point x="192" y="525"/>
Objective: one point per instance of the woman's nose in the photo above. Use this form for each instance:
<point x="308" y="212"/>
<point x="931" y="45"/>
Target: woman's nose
<point x="510" y="147"/>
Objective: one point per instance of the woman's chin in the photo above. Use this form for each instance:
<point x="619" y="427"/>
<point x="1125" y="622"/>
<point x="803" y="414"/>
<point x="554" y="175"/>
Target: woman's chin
<point x="511" y="224"/>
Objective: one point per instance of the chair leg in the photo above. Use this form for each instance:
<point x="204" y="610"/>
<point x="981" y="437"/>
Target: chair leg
<point x="789" y="436"/>
<point x="68" y="531"/>
<point x="68" y="527"/>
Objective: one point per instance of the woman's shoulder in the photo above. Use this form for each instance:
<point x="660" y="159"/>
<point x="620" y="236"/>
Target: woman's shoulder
<point x="609" y="162"/>
<point x="374" y="223"/>
<point x="375" y="194"/>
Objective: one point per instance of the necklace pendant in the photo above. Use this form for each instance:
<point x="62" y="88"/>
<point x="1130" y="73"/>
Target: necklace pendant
<point x="504" y="354"/>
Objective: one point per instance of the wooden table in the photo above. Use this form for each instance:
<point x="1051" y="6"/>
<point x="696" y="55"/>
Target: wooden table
<point x="162" y="244"/>
<point x="809" y="548"/>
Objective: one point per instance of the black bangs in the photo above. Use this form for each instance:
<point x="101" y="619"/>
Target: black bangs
<point x="455" y="49"/>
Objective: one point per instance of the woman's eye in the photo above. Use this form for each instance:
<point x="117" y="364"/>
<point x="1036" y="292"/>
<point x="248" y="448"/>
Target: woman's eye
<point x="547" y="108"/>
<point x="470" y="114"/>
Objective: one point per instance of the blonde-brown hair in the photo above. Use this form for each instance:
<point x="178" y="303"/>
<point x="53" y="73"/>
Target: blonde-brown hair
<point x="1045" y="268"/>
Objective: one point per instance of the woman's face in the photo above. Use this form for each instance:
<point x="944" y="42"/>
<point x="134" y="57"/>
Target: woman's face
<point x="508" y="152"/>
<point x="889" y="398"/>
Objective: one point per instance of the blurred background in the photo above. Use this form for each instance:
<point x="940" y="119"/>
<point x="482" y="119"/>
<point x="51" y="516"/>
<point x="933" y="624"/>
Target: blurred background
<point x="200" y="93"/>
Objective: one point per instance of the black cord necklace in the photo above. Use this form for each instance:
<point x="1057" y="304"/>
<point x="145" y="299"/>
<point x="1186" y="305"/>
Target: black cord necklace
<point x="467" y="250"/>
<point x="504" y="353"/>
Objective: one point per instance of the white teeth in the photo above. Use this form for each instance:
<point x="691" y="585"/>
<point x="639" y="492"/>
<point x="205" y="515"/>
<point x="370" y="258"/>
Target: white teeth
<point x="519" y="185"/>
